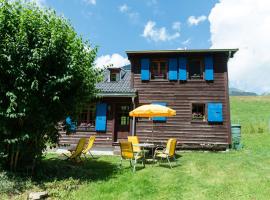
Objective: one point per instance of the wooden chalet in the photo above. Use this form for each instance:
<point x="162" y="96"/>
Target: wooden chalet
<point x="192" y="82"/>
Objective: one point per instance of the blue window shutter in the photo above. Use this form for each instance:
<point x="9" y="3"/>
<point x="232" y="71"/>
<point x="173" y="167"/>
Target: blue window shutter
<point x="182" y="69"/>
<point x="101" y="120"/>
<point x="173" y="69"/>
<point x="145" y="65"/>
<point x="209" y="68"/>
<point x="160" y="119"/>
<point x="215" y="112"/>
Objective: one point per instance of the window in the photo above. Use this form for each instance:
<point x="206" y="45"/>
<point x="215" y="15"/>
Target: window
<point x="198" y="112"/>
<point x="124" y="116"/>
<point x="195" y="69"/>
<point x="87" y="117"/>
<point x="159" y="69"/>
<point x="115" y="76"/>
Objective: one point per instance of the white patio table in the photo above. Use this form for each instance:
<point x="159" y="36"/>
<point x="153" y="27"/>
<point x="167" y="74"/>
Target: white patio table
<point x="146" y="145"/>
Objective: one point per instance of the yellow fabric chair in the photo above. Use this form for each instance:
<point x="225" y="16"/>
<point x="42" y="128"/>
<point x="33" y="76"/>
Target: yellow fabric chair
<point x="134" y="140"/>
<point x="127" y="153"/>
<point x="89" y="146"/>
<point x="168" y="152"/>
<point x="76" y="154"/>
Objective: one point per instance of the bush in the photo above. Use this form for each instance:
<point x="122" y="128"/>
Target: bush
<point x="46" y="73"/>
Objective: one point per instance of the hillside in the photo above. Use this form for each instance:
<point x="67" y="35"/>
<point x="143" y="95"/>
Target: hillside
<point x="238" y="92"/>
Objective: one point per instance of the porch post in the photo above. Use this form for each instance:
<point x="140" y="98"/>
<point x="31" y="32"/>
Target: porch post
<point x="133" y="119"/>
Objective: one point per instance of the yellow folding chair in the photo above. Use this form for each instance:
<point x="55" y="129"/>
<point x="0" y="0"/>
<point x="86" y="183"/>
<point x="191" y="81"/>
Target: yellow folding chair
<point x="134" y="140"/>
<point x="127" y="153"/>
<point x="76" y="154"/>
<point x="167" y="153"/>
<point x="89" y="146"/>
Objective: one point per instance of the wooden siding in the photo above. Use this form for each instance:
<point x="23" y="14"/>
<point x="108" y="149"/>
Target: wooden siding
<point x="180" y="97"/>
<point x="103" y="139"/>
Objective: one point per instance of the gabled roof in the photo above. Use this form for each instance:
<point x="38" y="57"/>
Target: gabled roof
<point x="120" y="88"/>
<point x="230" y="52"/>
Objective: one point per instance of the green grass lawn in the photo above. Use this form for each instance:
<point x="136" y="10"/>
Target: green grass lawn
<point x="243" y="174"/>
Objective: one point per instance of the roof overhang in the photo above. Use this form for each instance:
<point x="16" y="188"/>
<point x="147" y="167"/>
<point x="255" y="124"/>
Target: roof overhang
<point x="230" y="52"/>
<point x="109" y="94"/>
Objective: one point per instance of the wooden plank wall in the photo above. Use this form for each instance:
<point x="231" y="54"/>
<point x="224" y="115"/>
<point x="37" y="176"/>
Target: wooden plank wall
<point x="103" y="139"/>
<point x="180" y="97"/>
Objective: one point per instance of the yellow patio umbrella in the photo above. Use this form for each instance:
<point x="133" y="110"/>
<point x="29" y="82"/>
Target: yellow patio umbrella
<point x="152" y="110"/>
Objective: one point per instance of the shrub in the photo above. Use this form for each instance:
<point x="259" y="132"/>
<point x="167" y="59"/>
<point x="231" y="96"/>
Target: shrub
<point x="46" y="73"/>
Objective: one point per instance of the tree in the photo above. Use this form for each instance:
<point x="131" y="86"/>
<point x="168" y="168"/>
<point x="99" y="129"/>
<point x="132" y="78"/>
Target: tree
<point x="46" y="73"/>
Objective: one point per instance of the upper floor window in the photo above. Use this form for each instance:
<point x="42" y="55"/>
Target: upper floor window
<point x="159" y="69"/>
<point x="115" y="76"/>
<point x="195" y="69"/>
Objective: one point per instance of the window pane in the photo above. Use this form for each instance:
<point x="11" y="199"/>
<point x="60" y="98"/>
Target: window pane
<point x="159" y="70"/>
<point x="198" y="112"/>
<point x="87" y="117"/>
<point x="195" y="71"/>
<point x="115" y="76"/>
<point x="124" y="115"/>
<point x="154" y="70"/>
<point x="163" y="70"/>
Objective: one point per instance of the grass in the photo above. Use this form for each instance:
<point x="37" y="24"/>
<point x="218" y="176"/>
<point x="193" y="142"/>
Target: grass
<point x="237" y="175"/>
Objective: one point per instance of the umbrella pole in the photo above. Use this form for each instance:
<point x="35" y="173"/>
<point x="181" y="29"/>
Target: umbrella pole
<point x="152" y="137"/>
<point x="152" y="131"/>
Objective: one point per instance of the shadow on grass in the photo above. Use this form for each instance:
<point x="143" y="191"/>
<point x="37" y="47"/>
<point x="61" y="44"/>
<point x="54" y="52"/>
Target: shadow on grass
<point x="60" y="169"/>
<point x="53" y="170"/>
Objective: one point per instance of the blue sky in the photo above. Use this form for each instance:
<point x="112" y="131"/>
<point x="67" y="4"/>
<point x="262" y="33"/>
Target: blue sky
<point x="118" y="25"/>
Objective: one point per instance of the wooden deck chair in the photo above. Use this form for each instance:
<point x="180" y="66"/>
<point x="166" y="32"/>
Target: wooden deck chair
<point x="128" y="154"/>
<point x="89" y="146"/>
<point x="167" y="153"/>
<point x="76" y="154"/>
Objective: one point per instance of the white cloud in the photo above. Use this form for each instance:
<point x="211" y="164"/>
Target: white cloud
<point x="123" y="8"/>
<point x="116" y="60"/>
<point x="39" y="2"/>
<point x="91" y="2"/>
<point x="151" y="32"/>
<point x="186" y="42"/>
<point x="244" y="24"/>
<point x="176" y="26"/>
<point x="194" y="21"/>
<point x="151" y="2"/>
<point x="134" y="16"/>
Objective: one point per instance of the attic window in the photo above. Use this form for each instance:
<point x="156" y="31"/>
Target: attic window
<point x="115" y="75"/>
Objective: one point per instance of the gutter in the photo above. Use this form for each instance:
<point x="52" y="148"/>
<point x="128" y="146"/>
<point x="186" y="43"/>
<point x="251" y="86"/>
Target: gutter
<point x="129" y="94"/>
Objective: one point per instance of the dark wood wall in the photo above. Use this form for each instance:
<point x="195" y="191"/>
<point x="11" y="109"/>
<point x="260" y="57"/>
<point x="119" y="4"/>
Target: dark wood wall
<point x="103" y="139"/>
<point x="180" y="97"/>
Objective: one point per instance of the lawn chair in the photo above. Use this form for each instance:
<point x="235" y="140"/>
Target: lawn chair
<point x="70" y="125"/>
<point x="134" y="140"/>
<point x="127" y="153"/>
<point x="89" y="146"/>
<point x="76" y="154"/>
<point x="168" y="152"/>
